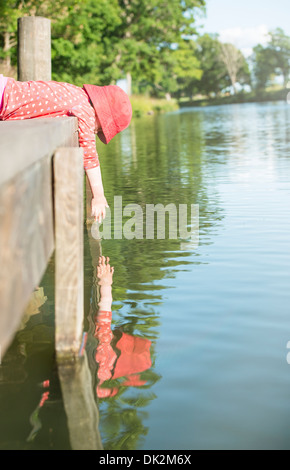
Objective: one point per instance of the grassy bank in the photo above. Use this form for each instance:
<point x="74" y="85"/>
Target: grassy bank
<point x="253" y="97"/>
<point x="143" y="105"/>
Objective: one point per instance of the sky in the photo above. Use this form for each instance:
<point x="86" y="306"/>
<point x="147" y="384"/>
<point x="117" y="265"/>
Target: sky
<point x="245" y="23"/>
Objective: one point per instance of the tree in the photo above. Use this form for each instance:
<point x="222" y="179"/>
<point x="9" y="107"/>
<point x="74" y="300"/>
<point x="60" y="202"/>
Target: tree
<point x="178" y="70"/>
<point x="264" y="66"/>
<point x="83" y="43"/>
<point x="235" y="63"/>
<point x="214" y="73"/>
<point x="279" y="49"/>
<point x="273" y="59"/>
<point x="186" y="69"/>
<point x="100" y="41"/>
<point x="11" y="10"/>
<point x="150" y="32"/>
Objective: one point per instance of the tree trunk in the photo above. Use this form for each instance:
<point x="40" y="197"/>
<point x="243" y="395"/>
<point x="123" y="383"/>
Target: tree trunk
<point x="285" y="74"/>
<point x="6" y="49"/>
<point x="233" y="59"/>
<point x="129" y="83"/>
<point x="234" y="83"/>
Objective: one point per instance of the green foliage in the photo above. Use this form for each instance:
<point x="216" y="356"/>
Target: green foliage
<point x="143" y="105"/>
<point x="263" y="66"/>
<point x="214" y="77"/>
<point x="11" y="10"/>
<point x="279" y="46"/>
<point x="81" y="47"/>
<point x="272" y="60"/>
<point x="185" y="67"/>
<point x="100" y="41"/>
<point x="146" y="38"/>
<point x="222" y="65"/>
<point x="153" y="41"/>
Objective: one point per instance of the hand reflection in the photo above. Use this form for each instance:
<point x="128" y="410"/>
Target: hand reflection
<point x="105" y="272"/>
<point x="132" y="355"/>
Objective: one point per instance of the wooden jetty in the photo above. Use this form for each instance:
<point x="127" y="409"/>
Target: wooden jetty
<point x="41" y="213"/>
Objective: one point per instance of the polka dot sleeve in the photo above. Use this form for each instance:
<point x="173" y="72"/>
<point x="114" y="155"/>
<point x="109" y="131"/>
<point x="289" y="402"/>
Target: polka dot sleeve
<point x="37" y="99"/>
<point x="87" y="140"/>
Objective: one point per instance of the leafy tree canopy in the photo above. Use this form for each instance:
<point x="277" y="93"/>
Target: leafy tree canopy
<point x="99" y="41"/>
<point x="272" y="59"/>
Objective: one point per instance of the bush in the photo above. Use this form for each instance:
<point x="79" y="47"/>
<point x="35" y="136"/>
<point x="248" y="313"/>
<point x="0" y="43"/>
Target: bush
<point x="143" y="105"/>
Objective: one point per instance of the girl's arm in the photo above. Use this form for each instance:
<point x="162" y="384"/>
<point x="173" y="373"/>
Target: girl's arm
<point x="99" y="202"/>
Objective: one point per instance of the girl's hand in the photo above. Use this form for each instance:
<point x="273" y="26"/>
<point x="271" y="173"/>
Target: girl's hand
<point x="99" y="205"/>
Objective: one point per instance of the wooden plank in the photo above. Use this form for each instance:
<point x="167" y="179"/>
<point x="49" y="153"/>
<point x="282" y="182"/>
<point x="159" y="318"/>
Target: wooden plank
<point x="23" y="143"/>
<point x="80" y="405"/>
<point x="34" y="48"/>
<point x="68" y="197"/>
<point x="26" y="242"/>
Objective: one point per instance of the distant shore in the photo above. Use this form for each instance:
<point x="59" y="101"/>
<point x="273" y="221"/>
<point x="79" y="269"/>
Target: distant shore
<point x="143" y="105"/>
<point x="252" y="97"/>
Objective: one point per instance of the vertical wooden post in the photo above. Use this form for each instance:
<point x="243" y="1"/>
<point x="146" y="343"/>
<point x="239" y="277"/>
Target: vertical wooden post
<point x="69" y="219"/>
<point x="34" y="48"/>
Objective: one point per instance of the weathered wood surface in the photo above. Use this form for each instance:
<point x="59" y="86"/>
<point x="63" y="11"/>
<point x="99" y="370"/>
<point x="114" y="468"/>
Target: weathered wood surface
<point x="23" y="143"/>
<point x="80" y="406"/>
<point x="27" y="210"/>
<point x="69" y="217"/>
<point x="26" y="242"/>
<point x="34" y="48"/>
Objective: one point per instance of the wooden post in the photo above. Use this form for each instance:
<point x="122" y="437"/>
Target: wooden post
<point x="69" y="297"/>
<point x="34" y="48"/>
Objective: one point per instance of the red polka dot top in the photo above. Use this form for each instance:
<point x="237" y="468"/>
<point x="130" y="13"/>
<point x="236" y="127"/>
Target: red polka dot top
<point x="36" y="99"/>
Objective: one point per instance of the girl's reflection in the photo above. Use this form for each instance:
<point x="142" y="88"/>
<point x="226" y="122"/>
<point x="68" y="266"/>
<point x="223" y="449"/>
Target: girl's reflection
<point x="131" y="354"/>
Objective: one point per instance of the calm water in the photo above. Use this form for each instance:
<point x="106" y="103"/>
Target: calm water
<point x="215" y="373"/>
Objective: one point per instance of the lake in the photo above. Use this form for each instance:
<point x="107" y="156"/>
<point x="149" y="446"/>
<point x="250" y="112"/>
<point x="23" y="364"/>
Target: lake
<point x="199" y="355"/>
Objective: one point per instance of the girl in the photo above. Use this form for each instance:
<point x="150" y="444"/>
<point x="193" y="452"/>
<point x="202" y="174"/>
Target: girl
<point x="101" y="110"/>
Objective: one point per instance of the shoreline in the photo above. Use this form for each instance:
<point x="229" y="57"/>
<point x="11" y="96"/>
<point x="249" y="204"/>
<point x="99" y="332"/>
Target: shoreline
<point x="147" y="106"/>
<point x="240" y="98"/>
